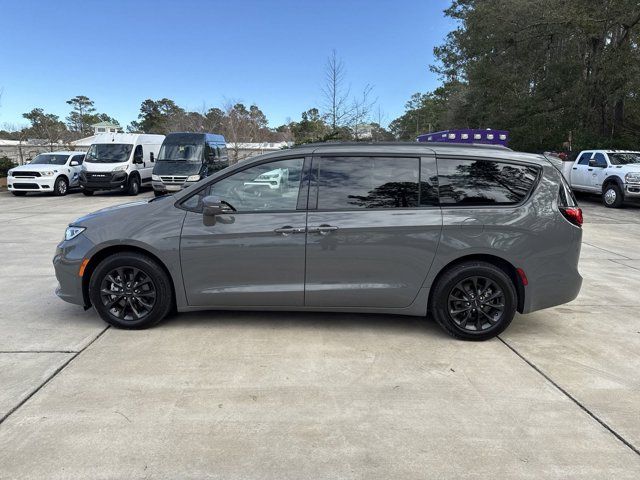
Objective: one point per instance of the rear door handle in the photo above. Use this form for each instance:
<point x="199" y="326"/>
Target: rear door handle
<point x="323" y="229"/>
<point x="288" y="230"/>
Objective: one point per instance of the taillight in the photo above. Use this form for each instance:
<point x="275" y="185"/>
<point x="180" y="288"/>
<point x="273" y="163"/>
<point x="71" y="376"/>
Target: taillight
<point x="573" y="214"/>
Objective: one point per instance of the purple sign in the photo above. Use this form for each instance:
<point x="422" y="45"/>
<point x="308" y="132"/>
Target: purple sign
<point x="467" y="135"/>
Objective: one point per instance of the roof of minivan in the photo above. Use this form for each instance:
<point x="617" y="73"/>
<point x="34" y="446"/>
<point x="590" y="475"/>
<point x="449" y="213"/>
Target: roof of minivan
<point x="442" y="150"/>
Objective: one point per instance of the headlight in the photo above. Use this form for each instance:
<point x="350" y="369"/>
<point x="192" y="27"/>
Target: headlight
<point x="155" y="177"/>
<point x="632" y="177"/>
<point x="10" y="173"/>
<point x="121" y="168"/>
<point x="72" y="232"/>
<point x="46" y="174"/>
<point x="193" y="178"/>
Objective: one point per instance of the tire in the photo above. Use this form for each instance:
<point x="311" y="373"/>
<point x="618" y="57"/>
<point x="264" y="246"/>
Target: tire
<point x="460" y="278"/>
<point x="19" y="194"/>
<point x="134" y="185"/>
<point x="128" y="307"/>
<point x="88" y="193"/>
<point x="612" y="195"/>
<point x="60" y="187"/>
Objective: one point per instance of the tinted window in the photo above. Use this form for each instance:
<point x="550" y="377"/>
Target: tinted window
<point x="79" y="159"/>
<point x="368" y="182"/>
<point x="428" y="182"/>
<point x="48" y="159"/>
<point x="599" y="160"/>
<point x="483" y="182"/>
<point x="584" y="158"/>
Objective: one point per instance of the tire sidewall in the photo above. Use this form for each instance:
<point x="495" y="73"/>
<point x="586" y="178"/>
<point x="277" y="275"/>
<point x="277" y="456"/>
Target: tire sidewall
<point x="149" y="267"/>
<point x="56" y="187"/>
<point x="134" y="185"/>
<point x="450" y="279"/>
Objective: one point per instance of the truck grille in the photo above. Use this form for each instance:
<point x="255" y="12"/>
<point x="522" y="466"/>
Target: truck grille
<point x="98" y="177"/>
<point x="26" y="174"/>
<point x="26" y="185"/>
<point x="167" y="179"/>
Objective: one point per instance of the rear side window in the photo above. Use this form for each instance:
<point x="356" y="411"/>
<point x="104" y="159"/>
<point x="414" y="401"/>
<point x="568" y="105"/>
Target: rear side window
<point x="346" y="183"/>
<point x="584" y="158"/>
<point x="484" y="182"/>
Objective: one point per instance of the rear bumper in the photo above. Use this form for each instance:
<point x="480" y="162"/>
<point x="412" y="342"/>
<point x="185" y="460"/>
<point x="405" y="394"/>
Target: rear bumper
<point x="30" y="184"/>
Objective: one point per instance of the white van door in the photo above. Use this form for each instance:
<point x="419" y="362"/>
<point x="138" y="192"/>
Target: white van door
<point x="142" y="163"/>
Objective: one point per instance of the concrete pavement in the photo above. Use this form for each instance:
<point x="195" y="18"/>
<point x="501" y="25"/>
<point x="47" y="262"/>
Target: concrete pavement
<point x="290" y="395"/>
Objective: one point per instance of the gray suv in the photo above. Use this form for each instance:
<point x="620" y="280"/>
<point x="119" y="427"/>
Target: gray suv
<point x="467" y="234"/>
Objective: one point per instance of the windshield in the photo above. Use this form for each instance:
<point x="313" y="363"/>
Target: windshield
<point x="624" y="158"/>
<point x="185" y="152"/>
<point x="108" y="153"/>
<point x="48" y="159"/>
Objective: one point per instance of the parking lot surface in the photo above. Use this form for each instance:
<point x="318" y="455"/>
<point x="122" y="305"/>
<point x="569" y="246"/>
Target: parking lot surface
<point x="296" y="395"/>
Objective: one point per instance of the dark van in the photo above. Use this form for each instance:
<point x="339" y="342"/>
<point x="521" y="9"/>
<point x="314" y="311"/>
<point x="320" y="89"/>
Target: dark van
<point x="185" y="158"/>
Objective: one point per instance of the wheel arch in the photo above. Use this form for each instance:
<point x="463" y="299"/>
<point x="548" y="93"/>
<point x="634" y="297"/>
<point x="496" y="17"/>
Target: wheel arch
<point x="100" y="255"/>
<point x="499" y="262"/>
<point x="612" y="179"/>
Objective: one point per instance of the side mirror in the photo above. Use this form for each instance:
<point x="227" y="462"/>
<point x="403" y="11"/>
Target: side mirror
<point x="73" y="163"/>
<point x="212" y="205"/>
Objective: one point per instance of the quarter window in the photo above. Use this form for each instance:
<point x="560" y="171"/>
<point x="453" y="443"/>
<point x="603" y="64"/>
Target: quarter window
<point x="347" y="183"/>
<point x="484" y="182"/>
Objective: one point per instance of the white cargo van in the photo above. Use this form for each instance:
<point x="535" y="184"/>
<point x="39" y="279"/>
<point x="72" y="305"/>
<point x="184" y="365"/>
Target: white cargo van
<point x="120" y="161"/>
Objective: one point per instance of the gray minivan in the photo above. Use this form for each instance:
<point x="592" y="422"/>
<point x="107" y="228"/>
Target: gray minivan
<point x="469" y="234"/>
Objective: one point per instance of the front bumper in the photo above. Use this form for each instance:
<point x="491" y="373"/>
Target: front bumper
<point x="160" y="186"/>
<point x="632" y="190"/>
<point x="30" y="184"/>
<point x="103" y="180"/>
<point x="66" y="263"/>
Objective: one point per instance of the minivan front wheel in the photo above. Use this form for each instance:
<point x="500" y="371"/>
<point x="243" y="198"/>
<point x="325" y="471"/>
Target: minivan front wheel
<point x="130" y="290"/>
<point x="474" y="301"/>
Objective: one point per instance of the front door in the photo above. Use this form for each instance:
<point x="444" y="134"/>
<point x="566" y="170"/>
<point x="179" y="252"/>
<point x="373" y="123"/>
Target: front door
<point x="373" y="228"/>
<point x="255" y="255"/>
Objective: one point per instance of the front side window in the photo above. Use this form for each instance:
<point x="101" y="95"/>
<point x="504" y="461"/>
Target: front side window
<point x="599" y="160"/>
<point x="270" y="186"/>
<point x="108" y="153"/>
<point x="484" y="182"/>
<point x="48" y="159"/>
<point x="79" y="159"/>
<point x="346" y="183"/>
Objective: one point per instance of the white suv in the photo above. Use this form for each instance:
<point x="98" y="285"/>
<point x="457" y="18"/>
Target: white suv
<point x="53" y="172"/>
<point x="615" y="174"/>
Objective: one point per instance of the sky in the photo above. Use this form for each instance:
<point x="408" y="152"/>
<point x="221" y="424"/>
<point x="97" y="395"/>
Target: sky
<point x="209" y="53"/>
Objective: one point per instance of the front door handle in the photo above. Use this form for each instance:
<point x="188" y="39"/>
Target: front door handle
<point x="323" y="229"/>
<point x="288" y="230"/>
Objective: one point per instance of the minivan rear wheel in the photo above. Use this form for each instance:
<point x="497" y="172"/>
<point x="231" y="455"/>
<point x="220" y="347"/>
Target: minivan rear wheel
<point x="474" y="300"/>
<point x="130" y="290"/>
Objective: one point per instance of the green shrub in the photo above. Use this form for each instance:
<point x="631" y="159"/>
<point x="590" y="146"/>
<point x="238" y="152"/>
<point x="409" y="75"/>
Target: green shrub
<point x="5" y="165"/>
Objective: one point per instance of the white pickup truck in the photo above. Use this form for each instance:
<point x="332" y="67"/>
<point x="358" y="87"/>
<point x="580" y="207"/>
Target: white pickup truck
<point x="614" y="174"/>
